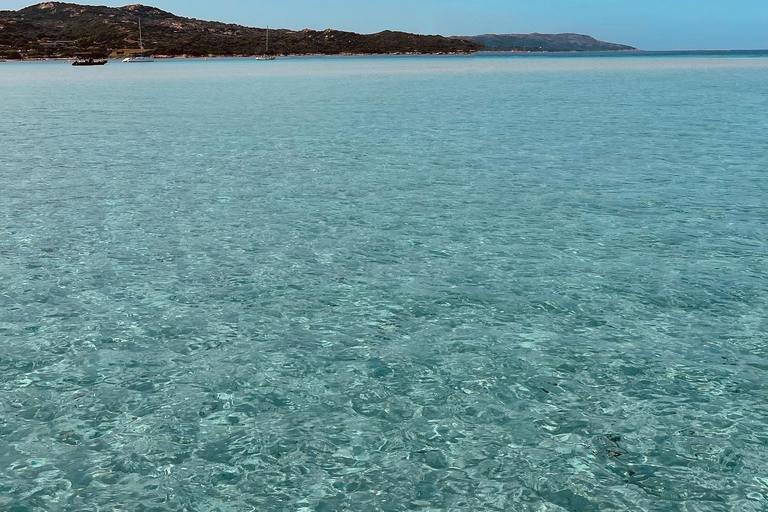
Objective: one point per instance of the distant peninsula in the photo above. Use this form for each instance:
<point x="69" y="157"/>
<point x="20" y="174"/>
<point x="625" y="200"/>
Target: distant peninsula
<point x="59" y="30"/>
<point x="544" y="43"/>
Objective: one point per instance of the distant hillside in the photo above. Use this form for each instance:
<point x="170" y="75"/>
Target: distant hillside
<point x="544" y="43"/>
<point x="61" y="29"/>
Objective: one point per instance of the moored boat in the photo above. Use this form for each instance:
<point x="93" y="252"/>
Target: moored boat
<point x="90" y="62"/>
<point x="139" y="57"/>
<point x="266" y="55"/>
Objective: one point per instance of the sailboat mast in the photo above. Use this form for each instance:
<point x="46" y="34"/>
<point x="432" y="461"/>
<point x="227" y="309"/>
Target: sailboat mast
<point x="267" y="50"/>
<point x="141" y="44"/>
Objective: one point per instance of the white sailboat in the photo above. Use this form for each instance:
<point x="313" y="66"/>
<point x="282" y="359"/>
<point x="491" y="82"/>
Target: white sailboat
<point x="266" y="55"/>
<point x="139" y="57"/>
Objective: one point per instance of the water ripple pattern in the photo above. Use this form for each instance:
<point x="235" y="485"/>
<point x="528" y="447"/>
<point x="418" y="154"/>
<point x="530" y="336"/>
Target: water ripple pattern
<point x="385" y="284"/>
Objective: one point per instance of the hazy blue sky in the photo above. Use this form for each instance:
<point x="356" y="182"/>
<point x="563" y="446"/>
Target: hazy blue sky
<point x="649" y="24"/>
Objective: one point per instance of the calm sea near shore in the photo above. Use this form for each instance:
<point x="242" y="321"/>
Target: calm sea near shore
<point x="380" y="284"/>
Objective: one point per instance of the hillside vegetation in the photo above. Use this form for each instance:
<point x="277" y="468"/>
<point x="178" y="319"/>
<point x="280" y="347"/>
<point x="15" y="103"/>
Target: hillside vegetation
<point x="545" y="43"/>
<point x="56" y="29"/>
<point x="63" y="29"/>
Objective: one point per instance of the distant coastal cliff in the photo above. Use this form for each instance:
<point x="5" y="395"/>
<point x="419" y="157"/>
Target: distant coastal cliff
<point x="55" y="29"/>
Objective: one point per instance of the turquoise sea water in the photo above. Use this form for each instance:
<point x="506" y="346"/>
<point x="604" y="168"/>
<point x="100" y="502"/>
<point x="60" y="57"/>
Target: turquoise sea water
<point x="385" y="284"/>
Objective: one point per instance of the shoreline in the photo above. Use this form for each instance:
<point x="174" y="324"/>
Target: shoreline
<point x="280" y="56"/>
<point x="616" y="53"/>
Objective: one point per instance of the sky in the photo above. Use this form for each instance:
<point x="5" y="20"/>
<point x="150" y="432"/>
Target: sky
<point x="647" y="24"/>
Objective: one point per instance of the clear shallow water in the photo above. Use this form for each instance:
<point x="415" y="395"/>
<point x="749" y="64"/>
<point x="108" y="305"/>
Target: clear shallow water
<point x="385" y="284"/>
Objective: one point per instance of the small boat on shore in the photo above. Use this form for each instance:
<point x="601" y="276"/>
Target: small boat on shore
<point x="90" y="62"/>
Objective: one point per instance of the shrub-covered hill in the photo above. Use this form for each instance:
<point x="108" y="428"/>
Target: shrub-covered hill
<point x="545" y="43"/>
<point x="64" y="29"/>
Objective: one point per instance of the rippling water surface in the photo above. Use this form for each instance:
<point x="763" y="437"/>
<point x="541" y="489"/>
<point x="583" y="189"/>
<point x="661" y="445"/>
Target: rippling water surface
<point x="384" y="284"/>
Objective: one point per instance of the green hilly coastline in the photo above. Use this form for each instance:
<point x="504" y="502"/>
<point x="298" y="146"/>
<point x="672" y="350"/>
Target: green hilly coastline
<point x="62" y="29"/>
<point x="545" y="43"/>
<point x="56" y="29"/>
